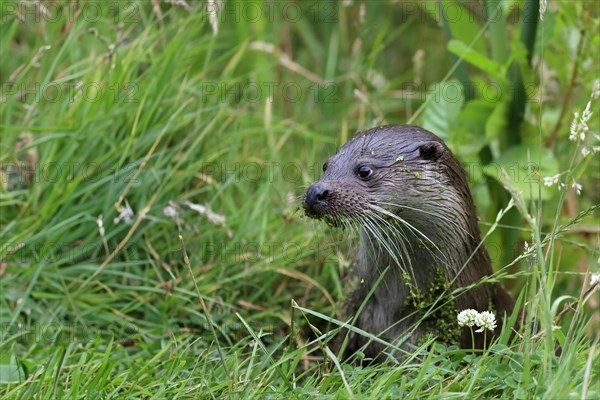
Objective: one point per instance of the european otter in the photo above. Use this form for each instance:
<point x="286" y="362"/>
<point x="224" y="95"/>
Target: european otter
<point x="409" y="199"/>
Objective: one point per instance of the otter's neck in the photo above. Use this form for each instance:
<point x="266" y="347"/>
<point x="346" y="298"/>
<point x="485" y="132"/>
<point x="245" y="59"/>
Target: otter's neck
<point x="442" y="236"/>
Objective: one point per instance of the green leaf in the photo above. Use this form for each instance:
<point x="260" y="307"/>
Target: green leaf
<point x="468" y="133"/>
<point x="521" y="164"/>
<point x="475" y="58"/>
<point x="581" y="167"/>
<point x="518" y="51"/>
<point x="500" y="348"/>
<point x="497" y="123"/>
<point x="444" y="102"/>
<point x="463" y="29"/>
<point x="9" y="373"/>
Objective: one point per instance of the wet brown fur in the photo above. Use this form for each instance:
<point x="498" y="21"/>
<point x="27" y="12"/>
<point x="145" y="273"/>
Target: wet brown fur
<point x="417" y="178"/>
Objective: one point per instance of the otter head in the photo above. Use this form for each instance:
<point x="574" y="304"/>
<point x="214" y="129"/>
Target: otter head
<point x="396" y="169"/>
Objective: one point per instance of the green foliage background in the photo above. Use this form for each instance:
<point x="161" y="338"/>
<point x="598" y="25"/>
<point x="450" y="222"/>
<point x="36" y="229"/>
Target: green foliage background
<point x="109" y="105"/>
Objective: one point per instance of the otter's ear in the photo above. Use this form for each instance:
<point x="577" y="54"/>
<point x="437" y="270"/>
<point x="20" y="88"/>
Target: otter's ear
<point x="431" y="150"/>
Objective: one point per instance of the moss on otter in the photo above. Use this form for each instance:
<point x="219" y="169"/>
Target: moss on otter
<point x="442" y="321"/>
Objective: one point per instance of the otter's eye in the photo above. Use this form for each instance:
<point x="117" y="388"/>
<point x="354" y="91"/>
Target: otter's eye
<point x="324" y="167"/>
<point x="364" y="171"/>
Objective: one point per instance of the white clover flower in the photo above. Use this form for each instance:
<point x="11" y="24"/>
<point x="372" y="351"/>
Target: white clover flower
<point x="485" y="320"/>
<point x="577" y="187"/>
<point x="467" y="317"/>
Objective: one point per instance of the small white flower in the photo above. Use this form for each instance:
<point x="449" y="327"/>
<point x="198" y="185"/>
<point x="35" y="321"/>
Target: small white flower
<point x="585" y="151"/>
<point x="467" y="317"/>
<point x="577" y="187"/>
<point x="594" y="279"/>
<point x="561" y="186"/>
<point x="100" y="225"/>
<point x="573" y="128"/>
<point x="579" y="125"/>
<point x="529" y="250"/>
<point x="170" y="211"/>
<point x="551" y="180"/>
<point x="587" y="114"/>
<point x="485" y="320"/>
<point x="126" y="214"/>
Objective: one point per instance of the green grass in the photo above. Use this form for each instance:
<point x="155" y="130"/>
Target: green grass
<point x="243" y="308"/>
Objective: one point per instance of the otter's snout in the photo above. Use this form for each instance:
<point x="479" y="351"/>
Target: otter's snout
<point x="315" y="199"/>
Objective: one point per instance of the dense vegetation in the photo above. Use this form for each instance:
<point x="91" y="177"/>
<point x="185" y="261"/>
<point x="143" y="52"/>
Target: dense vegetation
<point x="153" y="158"/>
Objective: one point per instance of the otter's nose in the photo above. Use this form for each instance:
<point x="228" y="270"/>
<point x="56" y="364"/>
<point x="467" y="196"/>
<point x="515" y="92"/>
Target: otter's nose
<point x="316" y="195"/>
